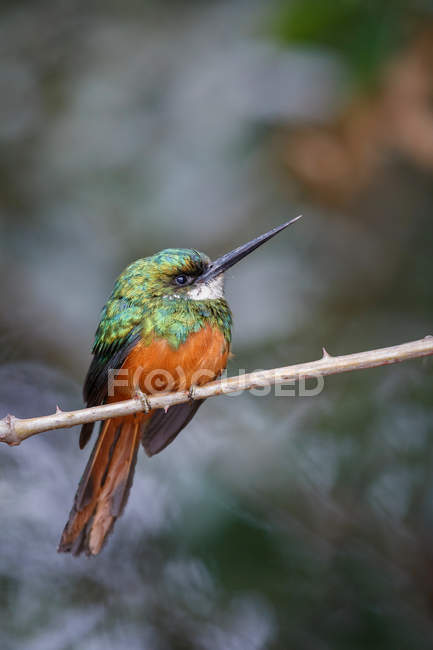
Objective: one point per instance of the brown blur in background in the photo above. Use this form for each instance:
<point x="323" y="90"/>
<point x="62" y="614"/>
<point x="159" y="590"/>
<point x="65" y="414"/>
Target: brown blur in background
<point x="271" y="522"/>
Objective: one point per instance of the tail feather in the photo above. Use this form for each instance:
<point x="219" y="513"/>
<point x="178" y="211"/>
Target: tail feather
<point x="104" y="488"/>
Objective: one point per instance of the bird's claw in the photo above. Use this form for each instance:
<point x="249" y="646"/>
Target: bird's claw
<point x="192" y="393"/>
<point x="143" y="399"/>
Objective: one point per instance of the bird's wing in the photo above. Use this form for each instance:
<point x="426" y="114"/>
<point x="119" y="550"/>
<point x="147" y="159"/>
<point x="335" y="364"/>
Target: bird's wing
<point x="96" y="384"/>
<point x="163" y="427"/>
<point x="117" y="333"/>
<point x="112" y="357"/>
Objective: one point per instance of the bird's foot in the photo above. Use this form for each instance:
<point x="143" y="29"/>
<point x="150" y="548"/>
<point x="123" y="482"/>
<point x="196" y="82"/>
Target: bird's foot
<point x="192" y="393"/>
<point x="138" y="394"/>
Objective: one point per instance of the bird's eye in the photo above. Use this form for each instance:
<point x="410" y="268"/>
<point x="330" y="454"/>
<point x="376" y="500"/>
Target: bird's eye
<point x="181" y="279"/>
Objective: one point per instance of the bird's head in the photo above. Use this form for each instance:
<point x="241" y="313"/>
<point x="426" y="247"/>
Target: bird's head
<point x="185" y="273"/>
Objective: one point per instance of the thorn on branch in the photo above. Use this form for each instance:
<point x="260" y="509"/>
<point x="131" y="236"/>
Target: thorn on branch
<point x="325" y="354"/>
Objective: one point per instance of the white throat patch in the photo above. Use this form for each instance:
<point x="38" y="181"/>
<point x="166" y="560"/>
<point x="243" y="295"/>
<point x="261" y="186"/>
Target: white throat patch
<point x="211" y="290"/>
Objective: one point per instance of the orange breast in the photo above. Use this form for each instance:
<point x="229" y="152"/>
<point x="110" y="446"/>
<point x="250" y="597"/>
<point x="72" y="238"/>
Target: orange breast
<point x="159" y="367"/>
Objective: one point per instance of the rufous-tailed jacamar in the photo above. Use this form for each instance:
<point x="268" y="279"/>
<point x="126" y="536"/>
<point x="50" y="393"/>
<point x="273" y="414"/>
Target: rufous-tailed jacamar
<point x="166" y="326"/>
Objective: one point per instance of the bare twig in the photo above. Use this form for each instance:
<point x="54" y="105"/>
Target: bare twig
<point x="14" y="430"/>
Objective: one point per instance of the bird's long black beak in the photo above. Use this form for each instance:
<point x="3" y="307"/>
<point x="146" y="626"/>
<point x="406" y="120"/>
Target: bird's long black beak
<point x="226" y="261"/>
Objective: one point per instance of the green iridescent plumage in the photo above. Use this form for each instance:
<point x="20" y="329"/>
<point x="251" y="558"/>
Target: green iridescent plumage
<point x="146" y="301"/>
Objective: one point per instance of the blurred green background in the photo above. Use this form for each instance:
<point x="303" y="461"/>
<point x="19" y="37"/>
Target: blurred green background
<point x="280" y="523"/>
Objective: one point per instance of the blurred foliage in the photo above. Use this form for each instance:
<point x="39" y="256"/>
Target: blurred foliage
<point x="387" y="48"/>
<point x="364" y="33"/>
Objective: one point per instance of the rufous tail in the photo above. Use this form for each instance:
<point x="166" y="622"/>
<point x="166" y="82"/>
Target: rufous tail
<point x="104" y="487"/>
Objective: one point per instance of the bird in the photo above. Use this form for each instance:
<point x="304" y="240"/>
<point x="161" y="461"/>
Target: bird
<point x="166" y="326"/>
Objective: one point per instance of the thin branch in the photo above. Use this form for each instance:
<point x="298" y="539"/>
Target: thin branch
<point x="14" y="430"/>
